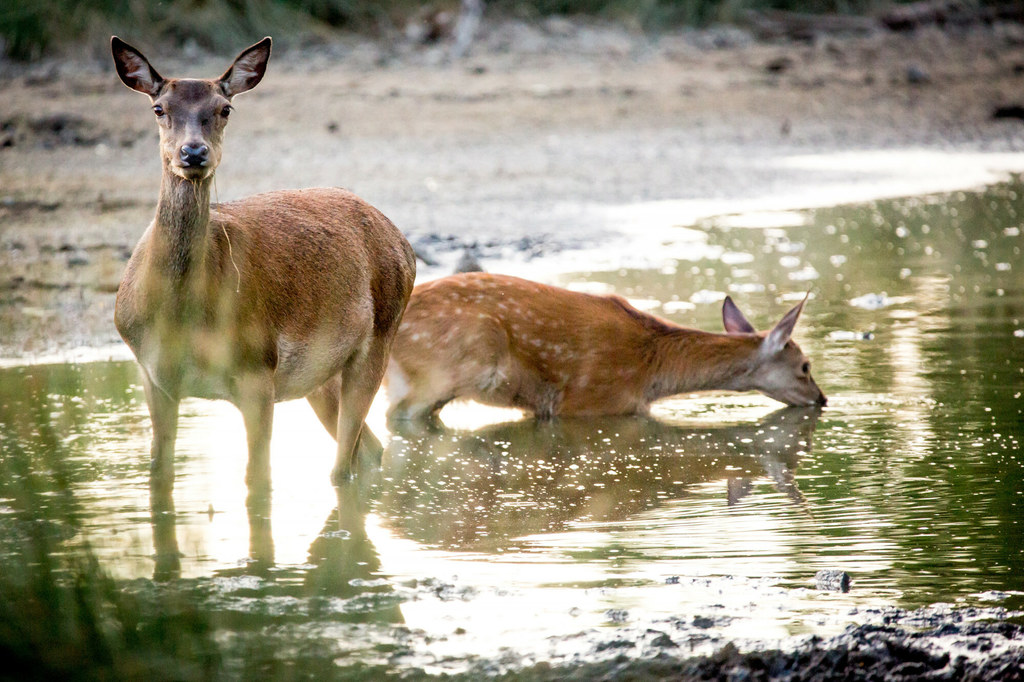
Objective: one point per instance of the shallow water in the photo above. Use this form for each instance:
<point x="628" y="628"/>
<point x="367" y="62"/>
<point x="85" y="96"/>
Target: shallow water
<point x="507" y="539"/>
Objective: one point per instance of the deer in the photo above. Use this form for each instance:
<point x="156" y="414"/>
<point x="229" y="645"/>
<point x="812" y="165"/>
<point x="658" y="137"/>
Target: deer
<point x="277" y="296"/>
<point x="510" y="342"/>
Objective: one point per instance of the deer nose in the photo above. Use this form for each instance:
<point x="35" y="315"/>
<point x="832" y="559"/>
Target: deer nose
<point x="194" y="155"/>
<point x="822" y="400"/>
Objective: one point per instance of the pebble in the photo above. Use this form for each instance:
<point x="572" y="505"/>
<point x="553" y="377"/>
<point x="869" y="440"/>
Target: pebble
<point x="872" y="301"/>
<point x="832" y="580"/>
<point x="917" y="76"/>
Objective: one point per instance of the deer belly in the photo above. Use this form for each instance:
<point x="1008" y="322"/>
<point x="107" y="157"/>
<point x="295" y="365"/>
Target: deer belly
<point x="191" y="380"/>
<point x="602" y="395"/>
<point x="303" y="366"/>
<point x="207" y="384"/>
<point x="190" y="366"/>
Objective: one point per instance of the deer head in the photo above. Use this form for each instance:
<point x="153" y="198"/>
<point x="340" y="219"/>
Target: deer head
<point x="779" y="368"/>
<point x="191" y="113"/>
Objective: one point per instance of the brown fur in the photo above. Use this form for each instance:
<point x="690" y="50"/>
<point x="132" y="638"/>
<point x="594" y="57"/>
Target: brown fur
<point x="506" y="341"/>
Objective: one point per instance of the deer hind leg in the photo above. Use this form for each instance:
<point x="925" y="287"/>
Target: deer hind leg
<point x="325" y="402"/>
<point x="476" y="366"/>
<point x="414" y="400"/>
<point x="360" y="380"/>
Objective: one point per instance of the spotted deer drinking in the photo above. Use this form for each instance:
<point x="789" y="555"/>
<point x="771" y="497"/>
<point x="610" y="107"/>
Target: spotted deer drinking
<point x="282" y="295"/>
<point x="510" y="342"/>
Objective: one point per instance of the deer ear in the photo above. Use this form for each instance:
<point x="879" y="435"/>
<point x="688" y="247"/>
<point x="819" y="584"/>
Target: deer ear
<point x="133" y="69"/>
<point x="780" y="333"/>
<point x="247" y="70"/>
<point x="733" y="319"/>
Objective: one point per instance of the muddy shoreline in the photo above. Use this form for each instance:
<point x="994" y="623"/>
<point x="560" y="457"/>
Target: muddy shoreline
<point x="862" y="653"/>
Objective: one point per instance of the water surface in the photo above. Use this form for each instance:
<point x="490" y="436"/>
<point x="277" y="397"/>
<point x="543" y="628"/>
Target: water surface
<point x="706" y="522"/>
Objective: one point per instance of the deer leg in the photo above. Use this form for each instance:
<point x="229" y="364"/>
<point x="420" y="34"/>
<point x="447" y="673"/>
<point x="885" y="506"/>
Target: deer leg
<point x="359" y="383"/>
<point x="370" y="446"/>
<point x="163" y="413"/>
<point x="261" y="536"/>
<point x="255" y="399"/>
<point x="415" y="404"/>
<point x="325" y="402"/>
<point x="410" y="397"/>
<point x="418" y="414"/>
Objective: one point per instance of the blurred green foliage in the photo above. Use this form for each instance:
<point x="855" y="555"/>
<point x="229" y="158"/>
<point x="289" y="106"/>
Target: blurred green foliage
<point x="62" y="616"/>
<point x="31" y="29"/>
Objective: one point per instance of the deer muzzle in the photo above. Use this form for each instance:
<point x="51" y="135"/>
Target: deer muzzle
<point x="194" y="155"/>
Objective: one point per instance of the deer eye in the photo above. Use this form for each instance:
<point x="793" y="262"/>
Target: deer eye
<point x="158" y="110"/>
<point x="226" y="111"/>
<point x="806" y="368"/>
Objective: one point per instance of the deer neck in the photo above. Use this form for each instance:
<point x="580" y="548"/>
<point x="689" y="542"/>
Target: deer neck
<point x="688" y="360"/>
<point x="182" y="226"/>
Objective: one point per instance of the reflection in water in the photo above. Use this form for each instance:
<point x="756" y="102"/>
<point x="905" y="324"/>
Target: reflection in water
<point x="261" y="537"/>
<point x="483" y="489"/>
<point x="923" y="436"/>
<point x="166" y="555"/>
<point x="344" y="561"/>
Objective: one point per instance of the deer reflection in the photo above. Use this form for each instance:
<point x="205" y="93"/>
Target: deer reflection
<point x="167" y="555"/>
<point x="481" y="489"/>
<point x="261" y="536"/>
<point x="165" y="538"/>
<point x="342" y="560"/>
<point x="345" y="561"/>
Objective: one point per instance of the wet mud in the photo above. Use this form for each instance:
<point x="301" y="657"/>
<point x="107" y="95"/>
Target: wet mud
<point x="978" y="652"/>
<point x="945" y="644"/>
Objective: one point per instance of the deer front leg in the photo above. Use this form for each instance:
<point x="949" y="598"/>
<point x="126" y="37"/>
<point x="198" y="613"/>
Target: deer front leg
<point x="255" y="399"/>
<point x="163" y="413"/>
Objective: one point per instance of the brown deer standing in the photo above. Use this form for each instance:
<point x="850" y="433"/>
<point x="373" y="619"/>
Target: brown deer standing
<point x="273" y="297"/>
<point x="506" y="341"/>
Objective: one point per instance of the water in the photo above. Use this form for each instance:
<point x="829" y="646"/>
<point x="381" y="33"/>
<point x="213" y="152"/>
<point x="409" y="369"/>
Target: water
<point x="519" y="541"/>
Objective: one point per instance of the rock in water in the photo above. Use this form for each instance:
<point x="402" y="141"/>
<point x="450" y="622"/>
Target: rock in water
<point x="832" y="580"/>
